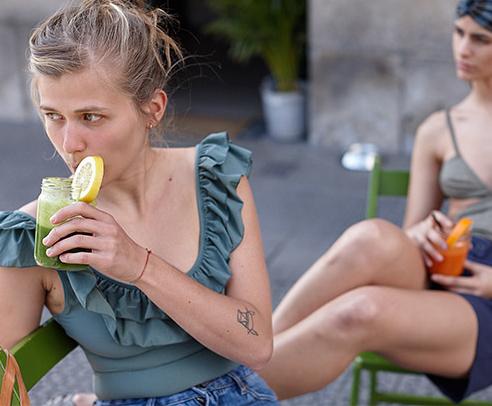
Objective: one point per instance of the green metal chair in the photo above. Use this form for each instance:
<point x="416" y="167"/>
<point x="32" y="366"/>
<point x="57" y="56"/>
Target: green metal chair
<point x="389" y="183"/>
<point x="37" y="353"/>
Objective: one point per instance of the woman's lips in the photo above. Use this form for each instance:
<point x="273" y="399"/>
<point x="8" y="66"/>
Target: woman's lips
<point x="465" y="67"/>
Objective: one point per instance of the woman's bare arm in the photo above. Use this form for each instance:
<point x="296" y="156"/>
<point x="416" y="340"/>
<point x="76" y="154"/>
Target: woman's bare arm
<point x="22" y="296"/>
<point x="424" y="193"/>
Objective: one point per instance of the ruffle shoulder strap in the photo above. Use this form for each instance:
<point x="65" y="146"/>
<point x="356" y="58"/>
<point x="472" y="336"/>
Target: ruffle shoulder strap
<point x="17" y="239"/>
<point x="221" y="164"/>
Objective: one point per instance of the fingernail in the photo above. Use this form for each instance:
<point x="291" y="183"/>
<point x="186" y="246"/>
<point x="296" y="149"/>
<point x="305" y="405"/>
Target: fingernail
<point x="49" y="251"/>
<point x="53" y="219"/>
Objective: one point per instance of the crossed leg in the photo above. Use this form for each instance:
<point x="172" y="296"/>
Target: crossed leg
<point x="367" y="293"/>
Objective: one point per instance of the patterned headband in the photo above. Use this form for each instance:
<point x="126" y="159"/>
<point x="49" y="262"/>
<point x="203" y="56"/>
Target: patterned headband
<point x="479" y="10"/>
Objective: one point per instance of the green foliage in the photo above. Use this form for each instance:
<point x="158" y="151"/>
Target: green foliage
<point x="272" y="29"/>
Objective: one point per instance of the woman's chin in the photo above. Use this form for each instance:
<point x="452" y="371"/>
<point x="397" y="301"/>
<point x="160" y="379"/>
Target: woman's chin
<point x="466" y="76"/>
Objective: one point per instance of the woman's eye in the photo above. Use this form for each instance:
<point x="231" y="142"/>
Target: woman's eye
<point x="53" y="116"/>
<point x="91" y="117"/>
<point x="482" y="40"/>
<point x="459" y="31"/>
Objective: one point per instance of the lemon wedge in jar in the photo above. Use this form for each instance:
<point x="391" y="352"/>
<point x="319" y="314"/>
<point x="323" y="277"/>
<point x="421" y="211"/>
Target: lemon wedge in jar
<point x="87" y="179"/>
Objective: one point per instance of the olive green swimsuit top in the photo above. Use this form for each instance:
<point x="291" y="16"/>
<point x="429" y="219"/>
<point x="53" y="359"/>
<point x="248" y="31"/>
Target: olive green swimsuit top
<point x="459" y="181"/>
<point x="134" y="348"/>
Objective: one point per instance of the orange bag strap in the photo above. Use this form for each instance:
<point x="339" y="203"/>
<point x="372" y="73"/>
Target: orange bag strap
<point x="11" y="372"/>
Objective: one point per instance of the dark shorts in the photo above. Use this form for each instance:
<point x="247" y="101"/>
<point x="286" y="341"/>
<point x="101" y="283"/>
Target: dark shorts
<point x="480" y="375"/>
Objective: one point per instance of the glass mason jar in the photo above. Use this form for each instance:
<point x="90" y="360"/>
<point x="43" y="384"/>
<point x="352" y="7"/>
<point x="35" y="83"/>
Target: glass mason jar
<point x="56" y="193"/>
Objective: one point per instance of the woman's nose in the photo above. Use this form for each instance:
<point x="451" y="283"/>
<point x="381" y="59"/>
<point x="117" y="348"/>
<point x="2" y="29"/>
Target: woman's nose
<point x="464" y="48"/>
<point x="73" y="140"/>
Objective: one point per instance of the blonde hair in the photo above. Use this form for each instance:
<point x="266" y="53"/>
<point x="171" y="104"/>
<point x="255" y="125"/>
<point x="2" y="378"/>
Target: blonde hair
<point x="120" y="35"/>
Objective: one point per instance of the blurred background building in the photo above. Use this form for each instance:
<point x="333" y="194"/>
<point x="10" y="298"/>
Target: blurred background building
<point x="374" y="70"/>
<point x="378" y="68"/>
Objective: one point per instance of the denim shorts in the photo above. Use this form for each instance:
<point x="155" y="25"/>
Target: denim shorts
<point x="242" y="386"/>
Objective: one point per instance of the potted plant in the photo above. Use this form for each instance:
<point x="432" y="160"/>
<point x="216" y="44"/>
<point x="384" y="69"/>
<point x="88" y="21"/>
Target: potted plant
<point x="273" y="30"/>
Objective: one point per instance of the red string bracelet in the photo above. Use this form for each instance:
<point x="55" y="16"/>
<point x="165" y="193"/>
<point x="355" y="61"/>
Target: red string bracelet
<point x="149" y="251"/>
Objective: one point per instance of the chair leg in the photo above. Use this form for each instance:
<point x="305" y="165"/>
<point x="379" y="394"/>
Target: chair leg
<point x="354" y="399"/>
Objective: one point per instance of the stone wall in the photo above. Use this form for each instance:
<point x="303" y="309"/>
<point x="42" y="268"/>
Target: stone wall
<point x="378" y="68"/>
<point x="17" y="19"/>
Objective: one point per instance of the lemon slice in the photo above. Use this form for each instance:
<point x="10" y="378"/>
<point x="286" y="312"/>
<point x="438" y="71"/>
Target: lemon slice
<point x="460" y="228"/>
<point x="87" y="179"/>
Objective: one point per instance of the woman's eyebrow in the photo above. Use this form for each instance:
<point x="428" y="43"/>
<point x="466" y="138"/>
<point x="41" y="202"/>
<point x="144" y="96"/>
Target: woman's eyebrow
<point x="477" y="35"/>
<point x="91" y="109"/>
<point x="42" y="107"/>
<point x="81" y="110"/>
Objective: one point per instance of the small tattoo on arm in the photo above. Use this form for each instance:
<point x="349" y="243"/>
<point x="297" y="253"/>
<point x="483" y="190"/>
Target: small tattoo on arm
<point x="246" y="319"/>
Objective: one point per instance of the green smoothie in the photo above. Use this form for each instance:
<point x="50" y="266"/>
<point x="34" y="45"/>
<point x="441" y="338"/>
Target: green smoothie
<point x="55" y="194"/>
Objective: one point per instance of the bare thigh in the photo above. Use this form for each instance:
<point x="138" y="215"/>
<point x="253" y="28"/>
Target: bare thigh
<point x="429" y="331"/>
<point x="373" y="252"/>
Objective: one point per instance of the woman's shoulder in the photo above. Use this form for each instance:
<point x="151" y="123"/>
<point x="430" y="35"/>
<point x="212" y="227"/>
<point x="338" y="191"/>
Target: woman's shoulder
<point x="214" y="153"/>
<point x="433" y="135"/>
<point x="21" y="218"/>
<point x="213" y="160"/>
<point x="434" y="124"/>
<point x="30" y="208"/>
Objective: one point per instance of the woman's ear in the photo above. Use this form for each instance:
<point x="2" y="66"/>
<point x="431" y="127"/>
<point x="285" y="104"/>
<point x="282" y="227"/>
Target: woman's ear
<point x="156" y="106"/>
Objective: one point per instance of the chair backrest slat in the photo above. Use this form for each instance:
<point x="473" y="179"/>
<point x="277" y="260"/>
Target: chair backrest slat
<point x="41" y="350"/>
<point x="385" y="183"/>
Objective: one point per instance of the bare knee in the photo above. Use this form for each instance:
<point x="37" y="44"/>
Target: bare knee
<point x="371" y="242"/>
<point x="356" y="316"/>
<point x="375" y="235"/>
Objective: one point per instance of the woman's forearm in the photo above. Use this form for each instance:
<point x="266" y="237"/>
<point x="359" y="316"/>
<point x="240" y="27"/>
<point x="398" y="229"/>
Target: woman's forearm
<point x="232" y="328"/>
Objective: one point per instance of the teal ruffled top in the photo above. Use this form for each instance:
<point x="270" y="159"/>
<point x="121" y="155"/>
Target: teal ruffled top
<point x="135" y="349"/>
<point x="17" y="239"/>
